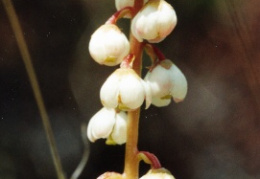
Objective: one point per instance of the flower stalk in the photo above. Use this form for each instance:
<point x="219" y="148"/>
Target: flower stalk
<point x="131" y="168"/>
<point x="125" y="90"/>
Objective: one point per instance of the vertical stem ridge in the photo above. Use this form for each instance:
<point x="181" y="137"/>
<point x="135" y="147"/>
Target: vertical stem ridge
<point x="131" y="170"/>
<point x="34" y="83"/>
<point x="131" y="154"/>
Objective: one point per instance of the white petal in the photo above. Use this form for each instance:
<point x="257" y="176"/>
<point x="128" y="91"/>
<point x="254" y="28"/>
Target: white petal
<point x="120" y="4"/>
<point x="132" y="91"/>
<point x="120" y="128"/>
<point x="135" y="30"/>
<point x="160" y="102"/>
<point x="148" y="94"/>
<point x="101" y="124"/>
<point x="180" y="85"/>
<point x="154" y="21"/>
<point x="89" y="131"/>
<point x="160" y="81"/>
<point x="108" y="45"/>
<point x="160" y="173"/>
<point x="109" y="91"/>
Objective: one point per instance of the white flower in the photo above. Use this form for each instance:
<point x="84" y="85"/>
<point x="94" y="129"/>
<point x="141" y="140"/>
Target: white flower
<point x="166" y="80"/>
<point x="108" y="45"/>
<point x="154" y="21"/>
<point x="123" y="89"/>
<point x="161" y="173"/>
<point x="107" y="123"/>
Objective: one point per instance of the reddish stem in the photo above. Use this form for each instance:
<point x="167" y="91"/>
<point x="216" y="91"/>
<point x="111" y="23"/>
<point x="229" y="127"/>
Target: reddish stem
<point x="119" y="14"/>
<point x="128" y="61"/>
<point x="154" y="161"/>
<point x="158" y="53"/>
<point x="131" y="168"/>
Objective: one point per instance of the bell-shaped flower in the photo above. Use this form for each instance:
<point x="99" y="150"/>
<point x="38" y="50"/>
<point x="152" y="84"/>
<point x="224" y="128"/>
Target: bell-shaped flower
<point x="154" y="21"/>
<point x="160" y="173"/>
<point x="107" y="123"/>
<point x="108" y="45"/>
<point x="123" y="89"/>
<point x="166" y="80"/>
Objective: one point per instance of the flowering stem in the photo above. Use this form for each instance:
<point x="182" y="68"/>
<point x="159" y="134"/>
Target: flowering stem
<point x="131" y="169"/>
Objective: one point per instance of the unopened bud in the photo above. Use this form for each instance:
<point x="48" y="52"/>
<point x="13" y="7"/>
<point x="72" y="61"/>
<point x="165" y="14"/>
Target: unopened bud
<point x="108" y="45"/>
<point x="154" y="21"/>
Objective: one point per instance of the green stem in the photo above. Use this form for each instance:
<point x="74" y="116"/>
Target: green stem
<point x="34" y="83"/>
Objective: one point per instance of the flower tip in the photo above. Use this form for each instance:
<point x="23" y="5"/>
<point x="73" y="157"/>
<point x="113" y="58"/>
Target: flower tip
<point x="160" y="173"/>
<point x="177" y="100"/>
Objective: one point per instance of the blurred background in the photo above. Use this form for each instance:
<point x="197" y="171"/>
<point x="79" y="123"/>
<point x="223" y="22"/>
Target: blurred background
<point x="213" y="134"/>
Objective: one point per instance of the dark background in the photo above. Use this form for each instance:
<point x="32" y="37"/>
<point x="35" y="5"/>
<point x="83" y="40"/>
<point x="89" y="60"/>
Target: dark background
<point x="213" y="134"/>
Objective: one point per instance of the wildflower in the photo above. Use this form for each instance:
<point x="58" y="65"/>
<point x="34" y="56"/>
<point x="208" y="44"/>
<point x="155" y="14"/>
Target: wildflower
<point x="154" y="21"/>
<point x="123" y="89"/>
<point x="107" y="123"/>
<point x="108" y="45"/>
<point x="166" y="80"/>
<point x="160" y="173"/>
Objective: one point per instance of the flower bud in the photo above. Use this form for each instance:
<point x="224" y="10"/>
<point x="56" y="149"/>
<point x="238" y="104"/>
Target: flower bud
<point x="154" y="21"/>
<point x="123" y="89"/>
<point x="160" y="173"/>
<point x="166" y="80"/>
<point x="110" y="175"/>
<point x="107" y="123"/>
<point x="108" y="45"/>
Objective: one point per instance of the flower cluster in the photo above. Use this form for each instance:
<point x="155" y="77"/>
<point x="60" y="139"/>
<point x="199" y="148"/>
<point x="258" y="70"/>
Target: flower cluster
<point x="124" y="90"/>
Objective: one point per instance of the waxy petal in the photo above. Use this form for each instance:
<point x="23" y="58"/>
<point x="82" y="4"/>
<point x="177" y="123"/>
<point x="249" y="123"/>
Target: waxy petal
<point x="109" y="92"/>
<point x="132" y="92"/>
<point x="101" y="124"/>
<point x="160" y="173"/>
<point x="159" y="102"/>
<point x="180" y="88"/>
<point x="108" y="45"/>
<point x="120" y="128"/>
<point x="123" y="89"/>
<point x="154" y="21"/>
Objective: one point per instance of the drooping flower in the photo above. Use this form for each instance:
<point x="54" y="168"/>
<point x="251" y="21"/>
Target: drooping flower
<point x="107" y="123"/>
<point x="123" y="89"/>
<point x="160" y="173"/>
<point x="166" y="80"/>
<point x="154" y="21"/>
<point x="108" y="45"/>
